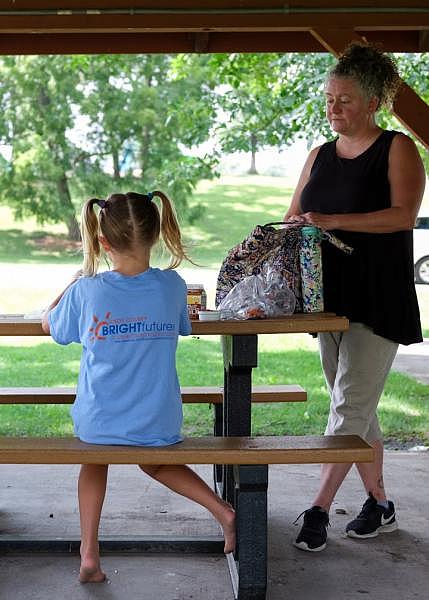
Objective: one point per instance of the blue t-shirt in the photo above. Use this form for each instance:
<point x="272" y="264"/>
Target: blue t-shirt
<point x="128" y="391"/>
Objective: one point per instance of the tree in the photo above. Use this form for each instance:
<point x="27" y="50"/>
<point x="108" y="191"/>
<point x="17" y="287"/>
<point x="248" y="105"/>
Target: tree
<point x="79" y="126"/>
<point x="36" y="99"/>
<point x="139" y="119"/>
<point x="268" y="100"/>
<point x="271" y="100"/>
<point x="142" y="120"/>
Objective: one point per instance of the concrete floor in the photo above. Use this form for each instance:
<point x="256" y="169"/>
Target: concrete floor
<point x="41" y="500"/>
<point x="413" y="360"/>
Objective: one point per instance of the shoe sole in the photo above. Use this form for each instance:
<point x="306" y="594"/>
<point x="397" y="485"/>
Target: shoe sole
<point x="382" y="529"/>
<point x="305" y="546"/>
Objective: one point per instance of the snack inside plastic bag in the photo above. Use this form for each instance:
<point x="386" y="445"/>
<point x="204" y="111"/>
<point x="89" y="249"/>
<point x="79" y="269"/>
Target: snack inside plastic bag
<point x="262" y="296"/>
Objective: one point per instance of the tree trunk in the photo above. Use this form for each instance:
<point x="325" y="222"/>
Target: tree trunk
<point x="69" y="211"/>
<point x="144" y="150"/>
<point x="116" y="167"/>
<point x="253" y="147"/>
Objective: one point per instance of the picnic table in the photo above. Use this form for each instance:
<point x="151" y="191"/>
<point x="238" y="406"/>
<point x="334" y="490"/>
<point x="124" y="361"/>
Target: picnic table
<point x="248" y="566"/>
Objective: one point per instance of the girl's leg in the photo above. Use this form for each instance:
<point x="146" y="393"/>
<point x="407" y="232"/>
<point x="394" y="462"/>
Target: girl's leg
<point x="92" y="490"/>
<point x="182" y="480"/>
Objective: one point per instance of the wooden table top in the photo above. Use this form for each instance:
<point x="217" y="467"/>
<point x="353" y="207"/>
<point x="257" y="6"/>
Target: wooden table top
<point x="18" y="325"/>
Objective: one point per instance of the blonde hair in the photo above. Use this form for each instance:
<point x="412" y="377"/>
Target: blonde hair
<point x="374" y="71"/>
<point x="127" y="221"/>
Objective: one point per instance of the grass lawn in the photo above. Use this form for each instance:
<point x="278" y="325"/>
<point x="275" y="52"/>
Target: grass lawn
<point x="286" y="359"/>
<point x="233" y="206"/>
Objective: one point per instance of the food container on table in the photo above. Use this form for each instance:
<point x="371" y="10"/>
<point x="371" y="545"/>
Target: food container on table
<point x="209" y="315"/>
<point x="196" y="299"/>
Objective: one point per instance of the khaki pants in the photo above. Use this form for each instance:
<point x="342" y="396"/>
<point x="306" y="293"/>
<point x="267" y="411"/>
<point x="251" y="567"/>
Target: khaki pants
<point x="356" y="364"/>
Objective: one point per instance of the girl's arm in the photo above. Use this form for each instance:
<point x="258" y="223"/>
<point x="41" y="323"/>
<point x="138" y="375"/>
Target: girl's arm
<point x="407" y="182"/>
<point x="45" y="322"/>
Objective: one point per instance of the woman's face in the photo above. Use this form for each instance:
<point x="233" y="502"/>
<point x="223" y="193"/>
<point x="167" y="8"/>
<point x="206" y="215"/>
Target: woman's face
<point x="347" y="110"/>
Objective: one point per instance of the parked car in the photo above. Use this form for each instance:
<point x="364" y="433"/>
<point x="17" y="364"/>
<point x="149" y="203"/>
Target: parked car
<point x="421" y="250"/>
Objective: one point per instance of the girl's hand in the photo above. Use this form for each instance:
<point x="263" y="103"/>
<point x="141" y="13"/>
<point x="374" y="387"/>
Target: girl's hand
<point x="45" y="322"/>
<point x="77" y="275"/>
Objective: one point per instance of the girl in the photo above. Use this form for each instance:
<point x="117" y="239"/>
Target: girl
<point x="128" y="320"/>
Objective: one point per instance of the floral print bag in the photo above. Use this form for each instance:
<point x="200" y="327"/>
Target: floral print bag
<point x="265" y="246"/>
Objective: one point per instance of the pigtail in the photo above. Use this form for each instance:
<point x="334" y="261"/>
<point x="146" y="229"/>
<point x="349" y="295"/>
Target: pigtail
<point x="170" y="231"/>
<point x="90" y="240"/>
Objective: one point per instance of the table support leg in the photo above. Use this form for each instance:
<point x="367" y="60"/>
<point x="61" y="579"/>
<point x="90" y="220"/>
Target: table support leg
<point x="240" y="354"/>
<point x="248" y="565"/>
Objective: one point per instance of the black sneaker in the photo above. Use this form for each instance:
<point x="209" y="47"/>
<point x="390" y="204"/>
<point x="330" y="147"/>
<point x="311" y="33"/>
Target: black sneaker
<point x="313" y="534"/>
<point x="372" y="520"/>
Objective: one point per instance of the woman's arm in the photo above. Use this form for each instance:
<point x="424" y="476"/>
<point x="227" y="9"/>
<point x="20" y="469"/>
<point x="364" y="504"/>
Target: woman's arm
<point x="45" y="322"/>
<point x="295" y="206"/>
<point x="407" y="182"/>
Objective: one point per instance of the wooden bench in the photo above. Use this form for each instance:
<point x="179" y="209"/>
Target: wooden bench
<point x="190" y="395"/>
<point x="250" y="457"/>
<point x="198" y="450"/>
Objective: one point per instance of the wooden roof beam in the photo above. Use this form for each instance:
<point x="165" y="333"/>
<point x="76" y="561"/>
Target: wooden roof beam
<point x="148" y="43"/>
<point x="408" y="108"/>
<point x="424" y="41"/>
<point x="225" y="19"/>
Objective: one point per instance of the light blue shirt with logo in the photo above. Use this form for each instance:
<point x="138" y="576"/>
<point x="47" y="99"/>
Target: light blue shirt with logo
<point x="128" y="390"/>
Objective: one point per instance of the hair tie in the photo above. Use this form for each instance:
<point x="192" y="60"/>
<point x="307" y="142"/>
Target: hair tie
<point x="150" y="195"/>
<point x="102" y="203"/>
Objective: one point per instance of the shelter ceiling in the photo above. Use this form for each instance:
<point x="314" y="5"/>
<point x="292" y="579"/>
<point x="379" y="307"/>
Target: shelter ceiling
<point x="35" y="26"/>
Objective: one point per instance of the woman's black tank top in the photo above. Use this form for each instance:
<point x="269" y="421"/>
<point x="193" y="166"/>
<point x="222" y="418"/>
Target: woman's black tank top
<point x="375" y="284"/>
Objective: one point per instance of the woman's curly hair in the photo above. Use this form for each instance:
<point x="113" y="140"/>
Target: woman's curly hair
<point x="375" y="72"/>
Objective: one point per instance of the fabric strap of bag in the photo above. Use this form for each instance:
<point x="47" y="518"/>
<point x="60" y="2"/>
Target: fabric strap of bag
<point x="326" y="235"/>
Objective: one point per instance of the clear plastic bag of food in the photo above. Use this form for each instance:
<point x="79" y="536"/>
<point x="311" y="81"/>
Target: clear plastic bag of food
<point x="262" y="296"/>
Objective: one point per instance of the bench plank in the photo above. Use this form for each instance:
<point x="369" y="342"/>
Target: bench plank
<point x="203" y="450"/>
<point x="190" y="395"/>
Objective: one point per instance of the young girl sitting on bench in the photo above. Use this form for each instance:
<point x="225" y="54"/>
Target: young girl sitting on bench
<point x="128" y="320"/>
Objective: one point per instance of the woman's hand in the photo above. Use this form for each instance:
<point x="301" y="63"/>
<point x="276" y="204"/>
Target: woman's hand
<point x="325" y="222"/>
<point x="294" y="219"/>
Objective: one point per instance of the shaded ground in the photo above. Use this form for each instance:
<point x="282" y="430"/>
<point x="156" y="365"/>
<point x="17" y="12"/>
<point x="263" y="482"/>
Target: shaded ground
<point x="390" y="567"/>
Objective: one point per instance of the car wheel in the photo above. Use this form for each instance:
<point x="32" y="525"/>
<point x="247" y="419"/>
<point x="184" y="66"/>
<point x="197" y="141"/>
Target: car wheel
<point x="421" y="270"/>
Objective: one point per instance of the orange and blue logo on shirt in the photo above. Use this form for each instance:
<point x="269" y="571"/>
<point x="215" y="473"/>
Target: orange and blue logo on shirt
<point x="95" y="330"/>
<point x="128" y="329"/>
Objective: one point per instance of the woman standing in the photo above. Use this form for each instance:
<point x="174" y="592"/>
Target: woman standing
<point x="366" y="186"/>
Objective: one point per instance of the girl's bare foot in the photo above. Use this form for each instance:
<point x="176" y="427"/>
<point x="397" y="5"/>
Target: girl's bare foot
<point x="227" y="521"/>
<point x="90" y="571"/>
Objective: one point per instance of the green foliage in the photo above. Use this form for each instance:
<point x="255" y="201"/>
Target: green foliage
<point x="139" y="119"/>
<point x="414" y="70"/>
<point x="36" y="99"/>
<point x="274" y="99"/>
<point x="143" y="119"/>
<point x="270" y="99"/>
<point x="79" y="126"/>
<point x="231" y="209"/>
